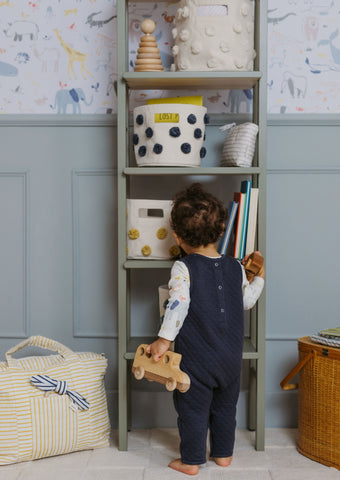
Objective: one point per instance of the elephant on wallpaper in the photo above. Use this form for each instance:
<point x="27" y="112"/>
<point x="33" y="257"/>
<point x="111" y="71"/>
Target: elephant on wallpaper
<point x="72" y="97"/>
<point x="236" y="98"/>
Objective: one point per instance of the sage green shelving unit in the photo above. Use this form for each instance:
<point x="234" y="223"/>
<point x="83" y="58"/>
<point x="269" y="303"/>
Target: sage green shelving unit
<point x="254" y="346"/>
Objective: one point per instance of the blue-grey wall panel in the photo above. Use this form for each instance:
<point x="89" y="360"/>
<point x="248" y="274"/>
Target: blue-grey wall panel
<point x="303" y="241"/>
<point x="65" y="225"/>
<point x="303" y="143"/>
<point x="94" y="257"/>
<point x="14" y="254"/>
<point x="51" y="150"/>
<point x="281" y="406"/>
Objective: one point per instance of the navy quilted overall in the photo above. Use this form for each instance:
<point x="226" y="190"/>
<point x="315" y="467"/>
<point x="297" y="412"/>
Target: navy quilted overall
<point x="211" y="342"/>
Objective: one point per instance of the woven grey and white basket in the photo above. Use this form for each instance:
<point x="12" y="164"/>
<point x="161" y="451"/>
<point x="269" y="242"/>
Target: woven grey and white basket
<point x="239" y="146"/>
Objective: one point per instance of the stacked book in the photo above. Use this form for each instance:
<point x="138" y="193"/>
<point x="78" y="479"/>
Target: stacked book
<point x="240" y="231"/>
<point x="330" y="337"/>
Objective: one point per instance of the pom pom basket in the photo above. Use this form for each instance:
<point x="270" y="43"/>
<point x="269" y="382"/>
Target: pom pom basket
<point x="148" y="230"/>
<point x="169" y="134"/>
<point x="319" y="401"/>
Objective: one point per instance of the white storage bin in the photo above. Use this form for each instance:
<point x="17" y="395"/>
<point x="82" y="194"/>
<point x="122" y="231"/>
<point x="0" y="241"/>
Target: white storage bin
<point x="214" y="35"/>
<point x="169" y="134"/>
<point x="149" y="235"/>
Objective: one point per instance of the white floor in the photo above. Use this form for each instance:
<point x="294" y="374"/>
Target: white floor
<point x="151" y="450"/>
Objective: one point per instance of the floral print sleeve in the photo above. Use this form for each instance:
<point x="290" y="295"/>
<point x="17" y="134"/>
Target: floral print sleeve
<point x="179" y="300"/>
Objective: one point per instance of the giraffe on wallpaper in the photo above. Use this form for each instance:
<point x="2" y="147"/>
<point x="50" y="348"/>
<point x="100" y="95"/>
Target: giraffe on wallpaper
<point x="73" y="56"/>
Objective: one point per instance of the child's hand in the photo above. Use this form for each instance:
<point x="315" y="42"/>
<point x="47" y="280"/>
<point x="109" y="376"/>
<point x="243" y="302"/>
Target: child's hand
<point x="262" y="273"/>
<point x="158" y="348"/>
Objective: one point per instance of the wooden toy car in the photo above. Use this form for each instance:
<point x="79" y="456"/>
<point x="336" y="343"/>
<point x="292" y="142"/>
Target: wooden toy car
<point x="165" y="371"/>
<point x="253" y="266"/>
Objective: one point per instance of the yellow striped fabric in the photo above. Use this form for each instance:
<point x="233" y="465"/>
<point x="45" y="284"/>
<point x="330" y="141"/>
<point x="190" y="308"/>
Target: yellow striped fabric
<point x="34" y="424"/>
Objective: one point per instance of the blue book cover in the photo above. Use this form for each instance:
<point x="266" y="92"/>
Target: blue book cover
<point x="232" y="209"/>
<point x="245" y="188"/>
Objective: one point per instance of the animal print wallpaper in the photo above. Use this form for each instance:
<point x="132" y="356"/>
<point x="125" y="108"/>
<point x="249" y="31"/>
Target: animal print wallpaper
<point x="59" y="57"/>
<point x="303" y="56"/>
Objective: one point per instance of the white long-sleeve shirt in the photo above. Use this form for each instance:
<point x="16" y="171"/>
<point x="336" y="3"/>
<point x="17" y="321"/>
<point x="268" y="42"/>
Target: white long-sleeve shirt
<point x="179" y="298"/>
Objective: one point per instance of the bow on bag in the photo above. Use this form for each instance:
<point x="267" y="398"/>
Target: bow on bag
<point x="228" y="126"/>
<point x="46" y="383"/>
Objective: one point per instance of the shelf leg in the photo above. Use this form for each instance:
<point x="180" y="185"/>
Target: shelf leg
<point x="252" y="396"/>
<point x="122" y="406"/>
<point x="129" y="407"/>
<point x="260" y="405"/>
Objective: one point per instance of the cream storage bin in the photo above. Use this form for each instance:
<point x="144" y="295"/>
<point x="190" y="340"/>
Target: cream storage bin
<point x="35" y="423"/>
<point x="214" y="35"/>
<point x="148" y="230"/>
<point x="169" y="134"/>
<point x="239" y="146"/>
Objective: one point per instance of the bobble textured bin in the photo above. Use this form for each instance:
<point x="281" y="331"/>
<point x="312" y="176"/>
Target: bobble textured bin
<point x="214" y="35"/>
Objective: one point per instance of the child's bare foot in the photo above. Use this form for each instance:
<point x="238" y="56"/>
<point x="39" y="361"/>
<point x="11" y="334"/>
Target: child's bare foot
<point x="223" y="461"/>
<point x="183" y="467"/>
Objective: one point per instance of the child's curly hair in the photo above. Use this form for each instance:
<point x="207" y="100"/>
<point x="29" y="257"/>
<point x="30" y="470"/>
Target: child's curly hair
<point x="197" y="217"/>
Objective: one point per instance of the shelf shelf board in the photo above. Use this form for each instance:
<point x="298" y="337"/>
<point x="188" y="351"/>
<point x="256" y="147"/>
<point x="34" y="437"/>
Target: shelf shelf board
<point x="148" y="263"/>
<point x="191" y="170"/>
<point x="249" y="352"/>
<point x="149" y="1"/>
<point x="192" y="80"/>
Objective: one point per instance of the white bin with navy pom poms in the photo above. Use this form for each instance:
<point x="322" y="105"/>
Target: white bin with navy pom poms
<point x="170" y="134"/>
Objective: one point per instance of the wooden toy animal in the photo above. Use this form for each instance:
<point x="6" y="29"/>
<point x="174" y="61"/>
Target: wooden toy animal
<point x="253" y="266"/>
<point x="165" y="371"/>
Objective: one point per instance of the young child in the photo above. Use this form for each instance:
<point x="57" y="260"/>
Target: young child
<point x="208" y="293"/>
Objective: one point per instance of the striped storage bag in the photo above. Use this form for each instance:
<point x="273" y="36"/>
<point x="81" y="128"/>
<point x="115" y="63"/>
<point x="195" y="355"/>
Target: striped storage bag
<point x="239" y="146"/>
<point x="52" y="404"/>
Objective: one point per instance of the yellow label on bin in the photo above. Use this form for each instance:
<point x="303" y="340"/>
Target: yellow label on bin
<point x="166" y="117"/>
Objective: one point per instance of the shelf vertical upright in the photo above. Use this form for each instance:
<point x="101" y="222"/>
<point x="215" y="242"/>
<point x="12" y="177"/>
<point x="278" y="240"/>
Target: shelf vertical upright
<point x="122" y="149"/>
<point x="258" y="333"/>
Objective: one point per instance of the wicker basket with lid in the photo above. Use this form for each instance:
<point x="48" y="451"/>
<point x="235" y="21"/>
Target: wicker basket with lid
<point x="319" y="401"/>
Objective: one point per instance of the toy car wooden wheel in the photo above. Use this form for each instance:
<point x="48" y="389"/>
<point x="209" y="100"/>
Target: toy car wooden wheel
<point x="253" y="266"/>
<point x="184" y="388"/>
<point x="139" y="373"/>
<point x="170" y="384"/>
